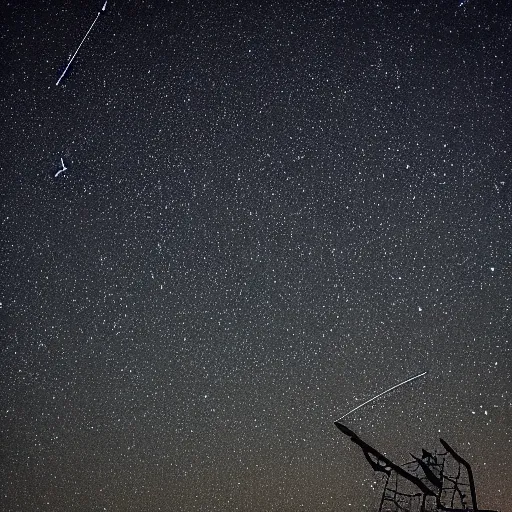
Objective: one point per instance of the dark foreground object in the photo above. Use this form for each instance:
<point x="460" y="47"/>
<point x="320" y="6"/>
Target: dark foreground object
<point x="430" y="483"/>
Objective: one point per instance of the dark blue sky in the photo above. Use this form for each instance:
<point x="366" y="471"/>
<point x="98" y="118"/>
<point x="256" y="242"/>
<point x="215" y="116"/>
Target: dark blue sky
<point x="271" y="212"/>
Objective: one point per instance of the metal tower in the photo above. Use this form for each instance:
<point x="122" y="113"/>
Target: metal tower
<point x="434" y="482"/>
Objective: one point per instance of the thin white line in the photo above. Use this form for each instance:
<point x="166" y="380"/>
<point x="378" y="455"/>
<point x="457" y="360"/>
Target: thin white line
<point x="383" y="393"/>
<point x="80" y="45"/>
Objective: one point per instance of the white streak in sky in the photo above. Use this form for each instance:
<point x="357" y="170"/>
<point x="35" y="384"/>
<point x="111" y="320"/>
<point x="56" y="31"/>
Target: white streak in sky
<point x="64" y="168"/>
<point x="383" y="393"/>
<point x="80" y="45"/>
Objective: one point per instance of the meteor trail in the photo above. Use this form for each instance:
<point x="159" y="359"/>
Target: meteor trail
<point x="383" y="393"/>
<point x="82" y="42"/>
<point x="64" y="168"/>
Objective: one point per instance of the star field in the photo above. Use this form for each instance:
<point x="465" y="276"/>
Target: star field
<point x="271" y="212"/>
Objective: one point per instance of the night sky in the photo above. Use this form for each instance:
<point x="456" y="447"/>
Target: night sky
<point x="271" y="212"/>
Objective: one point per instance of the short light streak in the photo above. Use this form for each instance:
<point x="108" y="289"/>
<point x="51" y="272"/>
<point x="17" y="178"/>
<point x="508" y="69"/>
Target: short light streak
<point x="80" y="45"/>
<point x="64" y="168"/>
<point x="383" y="393"/>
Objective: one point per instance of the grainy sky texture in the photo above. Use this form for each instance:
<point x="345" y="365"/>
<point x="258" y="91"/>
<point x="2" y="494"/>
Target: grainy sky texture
<point x="272" y="212"/>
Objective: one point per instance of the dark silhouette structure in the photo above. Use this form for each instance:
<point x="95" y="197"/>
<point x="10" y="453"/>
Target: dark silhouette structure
<point x="431" y="483"/>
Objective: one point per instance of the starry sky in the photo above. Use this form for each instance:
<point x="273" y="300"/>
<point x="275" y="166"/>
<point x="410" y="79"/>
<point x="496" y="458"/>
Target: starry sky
<point x="272" y="212"/>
